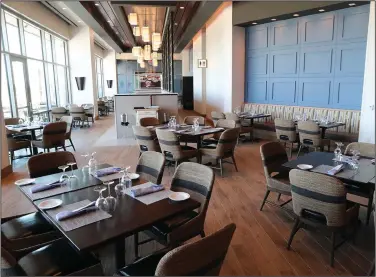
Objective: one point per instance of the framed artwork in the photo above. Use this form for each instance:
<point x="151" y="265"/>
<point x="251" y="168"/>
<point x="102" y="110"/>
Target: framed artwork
<point x="202" y="63"/>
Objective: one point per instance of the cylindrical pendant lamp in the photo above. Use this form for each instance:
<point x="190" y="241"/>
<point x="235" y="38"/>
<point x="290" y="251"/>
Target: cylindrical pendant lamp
<point x="154" y="55"/>
<point x="132" y="19"/>
<point x="136" y="31"/>
<point x="155" y="62"/>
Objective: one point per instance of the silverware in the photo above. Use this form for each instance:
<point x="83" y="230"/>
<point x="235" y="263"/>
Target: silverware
<point x="84" y="207"/>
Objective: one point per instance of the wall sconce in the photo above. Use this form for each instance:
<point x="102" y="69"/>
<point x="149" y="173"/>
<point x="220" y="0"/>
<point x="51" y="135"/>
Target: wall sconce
<point x="109" y="83"/>
<point x="80" y="81"/>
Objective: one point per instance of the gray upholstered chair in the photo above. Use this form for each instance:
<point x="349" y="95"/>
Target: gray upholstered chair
<point x="197" y="180"/>
<point x="310" y="136"/>
<point x="367" y="150"/>
<point x="190" y="119"/>
<point x="79" y="115"/>
<point x="89" y="111"/>
<point x="221" y="123"/>
<point x="225" y="148"/>
<point x="285" y="130"/>
<point x="149" y="121"/>
<point x="217" y="116"/>
<point x="243" y="125"/>
<point x="53" y="136"/>
<point x="320" y="201"/>
<point x="57" y="113"/>
<point x="201" y="258"/>
<point x="171" y="148"/>
<point x="102" y="109"/>
<point x="273" y="155"/>
<point x="151" y="166"/>
<point x="68" y="134"/>
<point x="15" y="145"/>
<point x="146" y="139"/>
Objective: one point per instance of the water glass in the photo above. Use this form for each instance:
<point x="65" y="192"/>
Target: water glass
<point x="110" y="200"/>
<point x="71" y="165"/>
<point x="338" y="151"/>
<point x="101" y="202"/>
<point x="63" y="178"/>
<point x="124" y="182"/>
<point x="92" y="163"/>
<point x="86" y="166"/>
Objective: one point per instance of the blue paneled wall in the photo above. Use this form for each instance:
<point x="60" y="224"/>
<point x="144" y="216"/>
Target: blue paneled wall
<point x="315" y="61"/>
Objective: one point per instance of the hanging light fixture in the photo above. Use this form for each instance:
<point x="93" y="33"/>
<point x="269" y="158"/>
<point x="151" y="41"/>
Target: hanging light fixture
<point x="145" y="32"/>
<point x="147" y="56"/>
<point x="147" y="49"/>
<point x="136" y="51"/>
<point x="154" y="55"/>
<point x="142" y="64"/>
<point x="136" y="31"/>
<point x="155" y="62"/>
<point x="156" y="38"/>
<point x="132" y="19"/>
<point x="140" y="60"/>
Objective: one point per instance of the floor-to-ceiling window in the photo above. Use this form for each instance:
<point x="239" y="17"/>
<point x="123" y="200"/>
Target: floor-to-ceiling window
<point x="34" y="68"/>
<point x="99" y="70"/>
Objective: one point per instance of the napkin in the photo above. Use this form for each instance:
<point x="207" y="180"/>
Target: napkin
<point x="68" y="214"/>
<point x="143" y="191"/>
<point x="107" y="171"/>
<point x="335" y="169"/>
<point x="43" y="187"/>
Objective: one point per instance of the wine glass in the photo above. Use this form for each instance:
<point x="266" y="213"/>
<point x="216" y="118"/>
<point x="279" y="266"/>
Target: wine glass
<point x="64" y="178"/>
<point x="110" y="200"/>
<point x="124" y="182"/>
<point x="338" y="151"/>
<point x="71" y="164"/>
<point x="92" y="163"/>
<point x="21" y="121"/>
<point x="101" y="202"/>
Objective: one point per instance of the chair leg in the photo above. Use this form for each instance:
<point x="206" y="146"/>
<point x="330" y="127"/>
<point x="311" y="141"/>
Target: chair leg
<point x="64" y="148"/>
<point x="48" y="150"/>
<point x="292" y="145"/>
<point x="233" y="160"/>
<point x="202" y="234"/>
<point x="279" y="196"/>
<point x="176" y="164"/>
<point x="293" y="232"/>
<point x="221" y="167"/>
<point x="265" y="197"/>
<point x="72" y="144"/>
<point x="332" y="249"/>
<point x="135" y="237"/>
<point x="300" y="148"/>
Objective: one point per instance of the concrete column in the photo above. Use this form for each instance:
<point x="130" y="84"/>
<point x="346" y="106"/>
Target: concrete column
<point x="186" y="62"/>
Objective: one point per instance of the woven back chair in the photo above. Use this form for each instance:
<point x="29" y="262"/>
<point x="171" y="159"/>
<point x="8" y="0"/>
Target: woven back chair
<point x="146" y="139"/>
<point x="53" y="136"/>
<point x="320" y="200"/>
<point x="78" y="114"/>
<point x="367" y="150"/>
<point x="150" y="166"/>
<point x="225" y="123"/>
<point x="310" y="136"/>
<point x="232" y="116"/>
<point x="149" y="121"/>
<point x="217" y="116"/>
<point x="48" y="163"/>
<point x="285" y="130"/>
<point x="273" y="155"/>
<point x="190" y="119"/>
<point x="68" y="134"/>
<point x="15" y="144"/>
<point x="57" y="113"/>
<point x="244" y="125"/>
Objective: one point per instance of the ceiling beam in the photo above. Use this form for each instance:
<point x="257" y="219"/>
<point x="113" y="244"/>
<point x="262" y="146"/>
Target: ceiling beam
<point x="146" y="3"/>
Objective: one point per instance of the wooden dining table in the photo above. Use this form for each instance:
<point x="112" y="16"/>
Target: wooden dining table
<point x="252" y="117"/>
<point x="128" y="218"/>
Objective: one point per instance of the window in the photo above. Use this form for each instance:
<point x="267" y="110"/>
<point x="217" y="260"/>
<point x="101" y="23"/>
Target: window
<point x="61" y="85"/>
<point x="33" y="41"/>
<point x="5" y="91"/>
<point x="59" y="50"/>
<point x="13" y="33"/>
<point x="99" y="70"/>
<point x="51" y="85"/>
<point x="48" y="54"/>
<point x="37" y="86"/>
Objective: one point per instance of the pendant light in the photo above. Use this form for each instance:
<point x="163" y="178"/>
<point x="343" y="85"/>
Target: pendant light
<point x="155" y="62"/>
<point x="147" y="56"/>
<point x="142" y="64"/>
<point x="145" y="32"/>
<point x="154" y="55"/>
<point x="140" y="60"/>
<point x="136" y="51"/>
<point x="147" y="49"/>
<point x="132" y="19"/>
<point x="136" y="31"/>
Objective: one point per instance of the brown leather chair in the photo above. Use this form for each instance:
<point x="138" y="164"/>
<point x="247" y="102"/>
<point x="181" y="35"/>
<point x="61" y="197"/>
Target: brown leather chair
<point x="48" y="163"/>
<point x="15" y="145"/>
<point x="53" y="136"/>
<point x="68" y="134"/>
<point x="149" y="121"/>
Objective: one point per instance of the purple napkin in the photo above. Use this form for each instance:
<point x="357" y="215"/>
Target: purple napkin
<point x="335" y="169"/>
<point x="43" y="187"/>
<point x="69" y="214"/>
<point x="107" y="171"/>
<point x="143" y="191"/>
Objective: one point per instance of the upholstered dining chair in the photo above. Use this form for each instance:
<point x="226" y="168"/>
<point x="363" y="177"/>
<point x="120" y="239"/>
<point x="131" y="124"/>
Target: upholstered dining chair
<point x="17" y="144"/>
<point x="57" y="113"/>
<point x="53" y="136"/>
<point x="201" y="258"/>
<point x="367" y="150"/>
<point x="146" y="139"/>
<point x="221" y="123"/>
<point x="149" y="121"/>
<point x="68" y="134"/>
<point x="89" y="111"/>
<point x="48" y="163"/>
<point x="217" y="116"/>
<point x="196" y="180"/>
<point x="151" y="166"/>
<point x="310" y="136"/>
<point x="102" y="109"/>
<point x="171" y="148"/>
<point x="224" y="149"/>
<point x="320" y="201"/>
<point x="273" y="155"/>
<point x="285" y="130"/>
<point x="243" y="125"/>
<point x="79" y="115"/>
<point x="190" y="119"/>
<point x="55" y="259"/>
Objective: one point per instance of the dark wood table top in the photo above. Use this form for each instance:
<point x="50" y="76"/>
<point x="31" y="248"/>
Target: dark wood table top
<point x="255" y="116"/>
<point x="129" y="217"/>
<point x="327" y="125"/>
<point x="363" y="175"/>
<point x="205" y="130"/>
<point x="25" y="128"/>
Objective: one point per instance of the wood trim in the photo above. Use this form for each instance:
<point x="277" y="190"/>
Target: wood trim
<point x="6" y="171"/>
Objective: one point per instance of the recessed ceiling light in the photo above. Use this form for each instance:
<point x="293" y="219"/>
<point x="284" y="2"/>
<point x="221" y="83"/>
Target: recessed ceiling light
<point x="295" y="14"/>
<point x="96" y="4"/>
<point x="254" y="23"/>
<point x="64" y="8"/>
<point x="182" y="8"/>
<point x="352" y="4"/>
<point x="321" y="10"/>
<point x="108" y="21"/>
<point x="79" y="21"/>
<point x="176" y="24"/>
<point x="273" y="19"/>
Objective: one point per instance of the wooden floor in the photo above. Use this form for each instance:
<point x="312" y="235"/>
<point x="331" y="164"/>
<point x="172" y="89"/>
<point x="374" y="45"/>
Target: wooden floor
<point x="259" y="243"/>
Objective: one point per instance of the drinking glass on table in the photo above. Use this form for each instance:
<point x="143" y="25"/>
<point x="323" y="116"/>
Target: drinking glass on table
<point x="124" y="182"/>
<point x="338" y="151"/>
<point x="92" y="163"/>
<point x="86" y="166"/>
<point x="101" y="202"/>
<point x="21" y="121"/>
<point x="63" y="178"/>
<point x="110" y="200"/>
<point x="71" y="164"/>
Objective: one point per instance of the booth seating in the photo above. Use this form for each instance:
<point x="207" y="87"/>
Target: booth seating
<point x="265" y="128"/>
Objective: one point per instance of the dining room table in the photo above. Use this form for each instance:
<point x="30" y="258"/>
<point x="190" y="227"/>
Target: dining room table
<point x="326" y="125"/>
<point x="359" y="181"/>
<point x="97" y="230"/>
<point x="253" y="116"/>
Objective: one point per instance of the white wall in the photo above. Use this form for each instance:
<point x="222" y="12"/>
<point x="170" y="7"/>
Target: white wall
<point x="199" y="80"/>
<point x="238" y="66"/>
<point x="98" y="51"/>
<point x="38" y="13"/>
<point x="367" y="121"/>
<point x="186" y="62"/>
<point x="109" y="71"/>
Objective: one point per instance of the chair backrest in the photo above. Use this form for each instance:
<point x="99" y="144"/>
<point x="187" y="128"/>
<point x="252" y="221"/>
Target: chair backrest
<point x="217" y="115"/>
<point x="197" y="180"/>
<point x="69" y="120"/>
<point x="149" y="121"/>
<point x="100" y="103"/>
<point x="318" y="193"/>
<point x="54" y="134"/>
<point x="227" y="142"/>
<point x="309" y="133"/>
<point x="273" y="155"/>
<point x="146" y="139"/>
<point x="151" y="166"/>
<point x="189" y="120"/>
<point x="169" y="143"/>
<point x="232" y="116"/>
<point x="366" y="149"/>
<point x="11" y="121"/>
<point x="58" y="112"/>
<point x="201" y="258"/>
<point x="48" y="163"/>
<point x="77" y="112"/>
<point x="226" y="123"/>
<point x="285" y="130"/>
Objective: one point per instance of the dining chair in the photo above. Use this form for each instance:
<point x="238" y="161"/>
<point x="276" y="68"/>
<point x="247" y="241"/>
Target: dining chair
<point x="320" y="201"/>
<point x="221" y="123"/>
<point x="78" y="114"/>
<point x="196" y="180"/>
<point x="68" y="134"/>
<point x="285" y="130"/>
<point x="17" y="144"/>
<point x="273" y="156"/>
<point x="310" y="136"/>
<point x="367" y="150"/>
<point x="89" y="111"/>
<point x="243" y="125"/>
<point x="217" y="116"/>
<point x="53" y="136"/>
<point x="14" y="134"/>
<point x="224" y="149"/>
<point x="102" y="109"/>
<point x="55" y="259"/>
<point x="201" y="258"/>
<point x="171" y="148"/>
<point x="146" y="139"/>
<point x="371" y="271"/>
<point x="190" y="119"/>
<point x="57" y="113"/>
<point x="151" y="166"/>
<point x="48" y="163"/>
<point x="149" y="121"/>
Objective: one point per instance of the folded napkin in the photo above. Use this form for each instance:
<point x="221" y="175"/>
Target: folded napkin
<point x="43" y="187"/>
<point x="143" y="191"/>
<point x="335" y="169"/>
<point x="107" y="171"/>
<point x="69" y="214"/>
